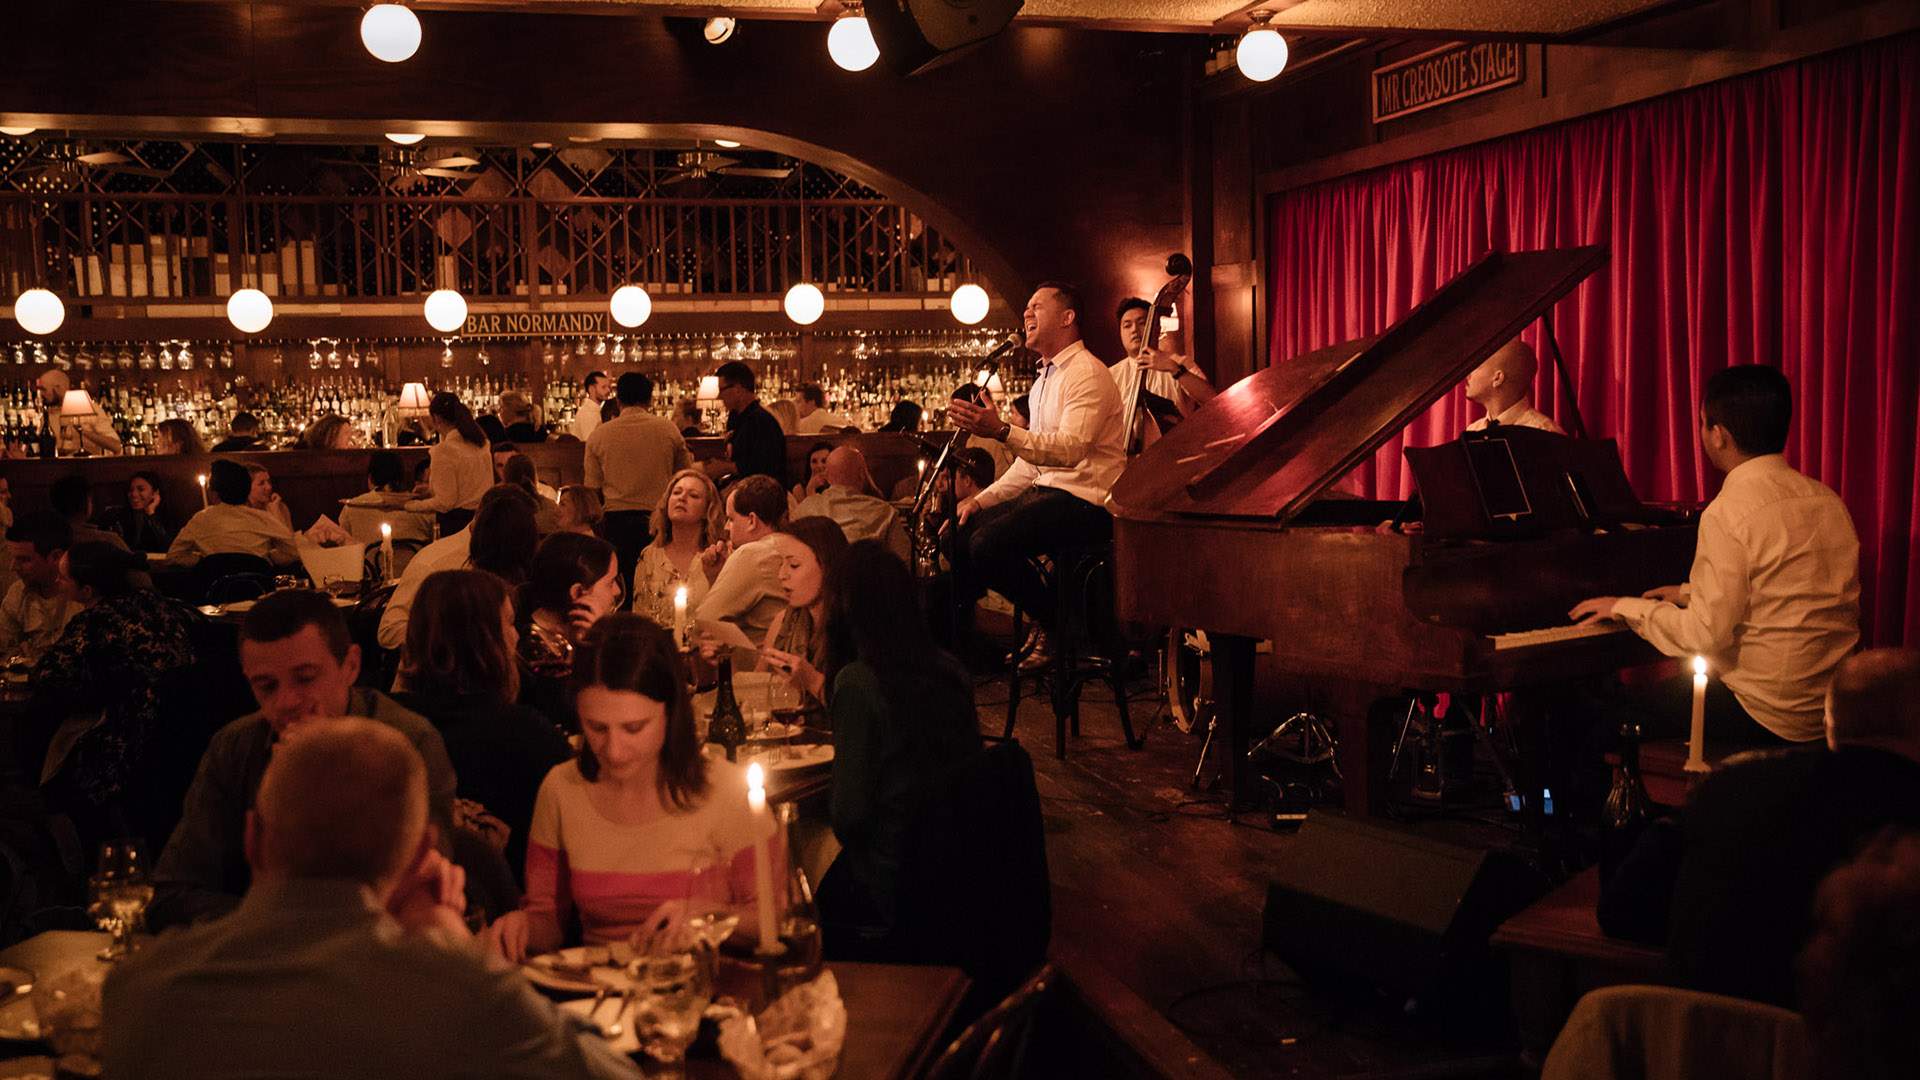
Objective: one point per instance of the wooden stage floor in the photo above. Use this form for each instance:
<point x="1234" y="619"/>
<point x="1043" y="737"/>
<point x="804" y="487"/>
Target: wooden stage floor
<point x="1157" y="900"/>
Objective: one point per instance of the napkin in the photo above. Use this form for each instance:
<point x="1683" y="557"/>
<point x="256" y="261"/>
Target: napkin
<point x="796" y="1038"/>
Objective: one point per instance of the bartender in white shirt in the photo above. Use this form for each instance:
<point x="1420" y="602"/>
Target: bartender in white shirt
<point x="1066" y="460"/>
<point x="1503" y="386"/>
<point x="586" y="416"/>
<point x="815" y="417"/>
<point x="1773" y="600"/>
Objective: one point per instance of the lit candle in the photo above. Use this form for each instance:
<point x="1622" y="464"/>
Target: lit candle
<point x="680" y="617"/>
<point x="203" y="490"/>
<point x="386" y="549"/>
<point x="762" y="859"/>
<point x="922" y="466"/>
<point x="1697" y="739"/>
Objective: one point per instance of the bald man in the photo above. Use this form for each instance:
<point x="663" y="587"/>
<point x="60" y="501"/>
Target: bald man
<point x="93" y="433"/>
<point x="851" y="500"/>
<point x="1761" y="831"/>
<point x="1503" y="387"/>
<point x="350" y="956"/>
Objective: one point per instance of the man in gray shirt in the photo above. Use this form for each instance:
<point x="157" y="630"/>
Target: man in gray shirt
<point x="301" y="662"/>
<point x="348" y="957"/>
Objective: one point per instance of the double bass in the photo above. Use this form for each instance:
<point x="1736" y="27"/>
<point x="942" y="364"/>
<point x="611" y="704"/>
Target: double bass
<point x="1139" y="404"/>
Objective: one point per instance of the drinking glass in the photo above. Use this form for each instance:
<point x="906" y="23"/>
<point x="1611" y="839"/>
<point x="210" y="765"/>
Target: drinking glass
<point x="120" y="892"/>
<point x="674" y="991"/>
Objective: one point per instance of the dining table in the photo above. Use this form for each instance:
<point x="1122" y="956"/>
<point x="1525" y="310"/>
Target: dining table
<point x="898" y="1015"/>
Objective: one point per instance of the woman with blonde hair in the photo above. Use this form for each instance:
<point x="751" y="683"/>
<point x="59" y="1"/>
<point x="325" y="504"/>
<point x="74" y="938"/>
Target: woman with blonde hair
<point x="787" y="413"/>
<point x="688" y="520"/>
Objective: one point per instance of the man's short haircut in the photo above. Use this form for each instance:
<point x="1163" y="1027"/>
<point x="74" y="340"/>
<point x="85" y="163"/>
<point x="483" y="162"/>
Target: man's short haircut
<point x="343" y="799"/>
<point x="1754" y="403"/>
<point x="737" y="373"/>
<point x="1876" y="695"/>
<point x="70" y="496"/>
<point x="46" y="530"/>
<point x="761" y="496"/>
<point x="504" y="532"/>
<point x="1070" y="297"/>
<point x="634" y="388"/>
<point x="244" y="423"/>
<point x="504" y="446"/>
<point x="977" y="465"/>
<point x="592" y="377"/>
<point x="1131" y="303"/>
<point x="385" y="470"/>
<point x="1859" y="971"/>
<point x="811" y="392"/>
<point x="230" y="480"/>
<point x="280" y="615"/>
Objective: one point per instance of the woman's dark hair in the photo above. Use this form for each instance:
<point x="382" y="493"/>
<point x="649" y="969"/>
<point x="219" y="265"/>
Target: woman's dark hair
<point x="905" y="417"/>
<point x="823" y="536"/>
<point x="231" y="481"/>
<point x="520" y="472"/>
<point x="152" y="479"/>
<point x="448" y="408"/>
<point x="563" y="561"/>
<point x="817" y="447"/>
<point x="102" y="567"/>
<point x="321" y="434"/>
<point x="505" y="534"/>
<point x="455" y="644"/>
<point x="385" y="471"/>
<point x="872" y="615"/>
<point x="630" y="652"/>
<point x="609" y="410"/>
<point x="185" y="438"/>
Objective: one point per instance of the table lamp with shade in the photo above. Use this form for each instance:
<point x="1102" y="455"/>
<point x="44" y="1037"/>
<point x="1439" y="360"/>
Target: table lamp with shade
<point x="78" y="403"/>
<point x="414" y="399"/>
<point x="709" y="393"/>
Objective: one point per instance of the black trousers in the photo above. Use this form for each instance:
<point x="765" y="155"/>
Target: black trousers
<point x="629" y="531"/>
<point x="996" y="544"/>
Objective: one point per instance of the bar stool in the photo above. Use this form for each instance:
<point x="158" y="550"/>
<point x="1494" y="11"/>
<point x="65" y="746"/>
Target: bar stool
<point x="1086" y="642"/>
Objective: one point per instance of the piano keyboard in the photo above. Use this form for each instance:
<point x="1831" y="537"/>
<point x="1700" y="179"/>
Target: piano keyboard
<point x="1521" y="639"/>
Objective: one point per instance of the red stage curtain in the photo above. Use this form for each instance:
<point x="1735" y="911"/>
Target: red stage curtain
<point x="1773" y="218"/>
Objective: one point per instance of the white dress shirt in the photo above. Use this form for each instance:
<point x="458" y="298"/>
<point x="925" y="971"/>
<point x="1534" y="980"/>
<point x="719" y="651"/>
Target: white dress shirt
<point x="820" y="420"/>
<point x="1073" y="440"/>
<point x="446" y="553"/>
<point x="1520" y="414"/>
<point x="1773" y="599"/>
<point x="586" y="417"/>
<point x="458" y="473"/>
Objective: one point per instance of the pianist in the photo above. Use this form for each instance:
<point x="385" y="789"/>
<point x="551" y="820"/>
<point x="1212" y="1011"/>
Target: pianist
<point x="1773" y="601"/>
<point x="1503" y="385"/>
<point x="1065" y="461"/>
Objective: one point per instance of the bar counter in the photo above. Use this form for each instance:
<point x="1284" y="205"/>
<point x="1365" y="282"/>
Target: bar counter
<point x="313" y="482"/>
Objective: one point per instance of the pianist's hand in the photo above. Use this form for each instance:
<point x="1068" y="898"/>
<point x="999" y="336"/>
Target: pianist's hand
<point x="1668" y="594"/>
<point x="1594" y="610"/>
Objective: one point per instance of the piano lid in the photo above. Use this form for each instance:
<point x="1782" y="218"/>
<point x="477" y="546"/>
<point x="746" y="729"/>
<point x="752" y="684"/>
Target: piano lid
<point x="1272" y="442"/>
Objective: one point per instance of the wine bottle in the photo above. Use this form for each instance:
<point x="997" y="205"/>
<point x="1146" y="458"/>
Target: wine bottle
<point x="728" y="729"/>
<point x="1628" y="808"/>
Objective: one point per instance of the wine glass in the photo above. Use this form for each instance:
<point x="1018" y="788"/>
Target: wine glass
<point x="674" y="989"/>
<point x="709" y="907"/>
<point x="120" y="892"/>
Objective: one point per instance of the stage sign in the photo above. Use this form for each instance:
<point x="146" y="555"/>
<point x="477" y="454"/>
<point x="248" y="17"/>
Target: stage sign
<point x="523" y="324"/>
<point x="1446" y="74"/>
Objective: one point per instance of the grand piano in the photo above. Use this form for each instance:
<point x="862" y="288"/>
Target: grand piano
<point x="1226" y="525"/>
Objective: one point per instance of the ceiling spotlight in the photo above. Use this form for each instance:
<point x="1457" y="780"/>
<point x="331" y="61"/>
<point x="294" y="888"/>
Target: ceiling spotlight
<point x="446" y="311"/>
<point x="40" y="312"/>
<point x="630" y="305"/>
<point x="1262" y="52"/>
<point x="249" y="310"/>
<point x="726" y="144"/>
<point x="804" y="303"/>
<point x="403" y="139"/>
<point x="391" y="32"/>
<point x="851" y="43"/>
<point x="718" y="29"/>
<point x="969" y="304"/>
<point x="16" y="132"/>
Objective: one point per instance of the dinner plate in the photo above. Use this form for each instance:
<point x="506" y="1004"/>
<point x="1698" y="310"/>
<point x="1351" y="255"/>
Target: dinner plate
<point x="628" y="1041"/>
<point x="804" y="756"/>
<point x="607" y="964"/>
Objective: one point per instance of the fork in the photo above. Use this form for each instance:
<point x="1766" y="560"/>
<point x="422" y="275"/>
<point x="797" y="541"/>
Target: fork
<point x="619" y="1026"/>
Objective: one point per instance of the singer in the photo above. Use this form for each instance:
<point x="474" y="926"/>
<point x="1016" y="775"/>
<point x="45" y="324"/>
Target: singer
<point x="1053" y="497"/>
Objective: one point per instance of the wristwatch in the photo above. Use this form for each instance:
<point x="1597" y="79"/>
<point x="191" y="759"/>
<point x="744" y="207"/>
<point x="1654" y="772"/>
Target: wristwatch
<point x="1006" y="429"/>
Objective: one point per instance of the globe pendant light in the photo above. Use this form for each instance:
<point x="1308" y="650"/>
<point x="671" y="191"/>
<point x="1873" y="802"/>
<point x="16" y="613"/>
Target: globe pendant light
<point x="446" y="311"/>
<point x="804" y="303"/>
<point x="39" y="311"/>
<point x="1262" y="52"/>
<point x="630" y="305"/>
<point x="249" y="310"/>
<point x="969" y="304"/>
<point x="391" y="32"/>
<point x="850" y="42"/>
